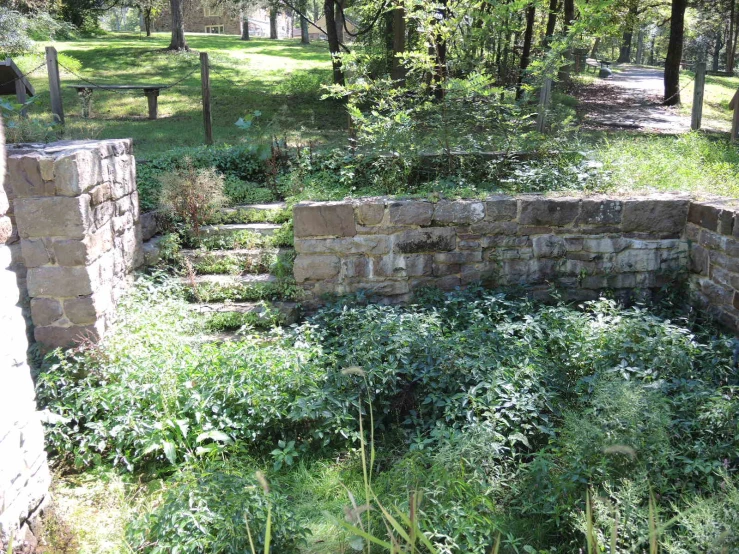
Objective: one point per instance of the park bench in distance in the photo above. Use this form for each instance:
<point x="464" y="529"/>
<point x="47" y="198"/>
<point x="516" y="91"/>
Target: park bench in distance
<point x="150" y="91"/>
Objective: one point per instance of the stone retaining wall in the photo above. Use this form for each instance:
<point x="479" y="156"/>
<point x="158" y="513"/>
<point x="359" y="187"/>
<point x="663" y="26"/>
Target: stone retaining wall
<point x="583" y="246"/>
<point x="76" y="211"/>
<point x="713" y="233"/>
<point x="24" y="474"/>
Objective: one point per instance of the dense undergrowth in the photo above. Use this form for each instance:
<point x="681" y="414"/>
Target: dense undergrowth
<point x="500" y="413"/>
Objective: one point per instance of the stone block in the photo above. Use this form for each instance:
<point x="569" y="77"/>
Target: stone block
<point x="557" y="212"/>
<point x="86" y="310"/>
<point x="374" y="244"/>
<point x="494" y="228"/>
<point x="60" y="281"/>
<point x="462" y="212"/>
<point x="357" y="267"/>
<point x="725" y="222"/>
<point x="441" y="270"/>
<point x="76" y="172"/>
<point x="53" y="217"/>
<point x="410" y="212"/>
<point x="103" y="213"/>
<point x="149" y="225"/>
<point x="698" y="260"/>
<point x="595" y="211"/>
<point x="704" y="215"/>
<point x="549" y="246"/>
<point x="315" y="268"/>
<point x="382" y="288"/>
<point x="655" y="215"/>
<point x="24" y="177"/>
<point x="605" y="244"/>
<point x="64" y="337"/>
<point x="418" y="265"/>
<point x="72" y="253"/>
<point x="328" y="219"/>
<point x="100" y="194"/>
<point x="45" y="311"/>
<point x="390" y="265"/>
<point x="35" y="253"/>
<point x="727" y="262"/>
<point x="369" y="212"/>
<point x="466" y="257"/>
<point x="501" y="208"/>
<point x="637" y="260"/>
<point x="426" y="240"/>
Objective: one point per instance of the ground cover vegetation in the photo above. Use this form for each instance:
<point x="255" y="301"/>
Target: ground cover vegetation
<point x="484" y="417"/>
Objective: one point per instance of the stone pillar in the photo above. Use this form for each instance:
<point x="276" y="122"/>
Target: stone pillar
<point x="24" y="474"/>
<point x="75" y="206"/>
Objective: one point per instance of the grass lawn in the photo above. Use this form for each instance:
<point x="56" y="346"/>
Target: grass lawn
<point x="717" y="95"/>
<point x="266" y="75"/>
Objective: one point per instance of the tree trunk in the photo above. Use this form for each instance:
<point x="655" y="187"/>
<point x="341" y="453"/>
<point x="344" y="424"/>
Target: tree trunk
<point x="551" y="22"/>
<point x="339" y="17"/>
<point x="440" y="51"/>
<point x="273" y="23"/>
<point x="675" y="52"/>
<point x="147" y="21"/>
<point x="398" y="69"/>
<point x="569" y="17"/>
<point x="304" y="33"/>
<point x="526" y="52"/>
<point x="178" y="41"/>
<point x="245" y="26"/>
<point x="734" y="44"/>
<point x="651" y="52"/>
<point x="334" y="46"/>
<point x="730" y="46"/>
<point x="594" y="51"/>
<point x="624" y="53"/>
<point x="717" y="51"/>
<point x="640" y="47"/>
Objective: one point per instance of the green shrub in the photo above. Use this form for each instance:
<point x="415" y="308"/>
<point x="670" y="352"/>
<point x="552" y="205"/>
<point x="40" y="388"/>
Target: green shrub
<point x="215" y="508"/>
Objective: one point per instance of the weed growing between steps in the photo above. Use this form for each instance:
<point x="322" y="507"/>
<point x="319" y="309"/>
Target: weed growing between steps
<point x="278" y="263"/>
<point x="499" y="413"/>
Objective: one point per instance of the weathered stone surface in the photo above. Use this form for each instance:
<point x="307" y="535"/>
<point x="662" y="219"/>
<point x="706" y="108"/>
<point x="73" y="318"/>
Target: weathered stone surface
<point x="149" y="225"/>
<point x="605" y="244"/>
<point x="86" y="310"/>
<point x="549" y="211"/>
<point x="64" y="337"/>
<point x="315" y="267"/>
<point x="410" y="212"/>
<point x="501" y="208"/>
<point x="458" y="257"/>
<point x="57" y="281"/>
<point x="371" y="244"/>
<point x="661" y="215"/>
<point x="458" y="212"/>
<point x="357" y="267"/>
<point x="45" y="311"/>
<point x="426" y="240"/>
<point x="369" y="212"/>
<point x="704" y="215"/>
<point x="599" y="212"/>
<point x="35" y="253"/>
<point x="24" y="175"/>
<point x="76" y="172"/>
<point x="53" y="217"/>
<point x="549" y="246"/>
<point x="324" y="220"/>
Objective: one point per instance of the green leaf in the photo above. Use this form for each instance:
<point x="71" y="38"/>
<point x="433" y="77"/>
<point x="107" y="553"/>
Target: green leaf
<point x="169" y="451"/>
<point x="215" y="435"/>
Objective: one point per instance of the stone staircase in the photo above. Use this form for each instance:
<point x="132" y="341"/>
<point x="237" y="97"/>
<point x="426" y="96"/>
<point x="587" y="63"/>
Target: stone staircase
<point x="240" y="273"/>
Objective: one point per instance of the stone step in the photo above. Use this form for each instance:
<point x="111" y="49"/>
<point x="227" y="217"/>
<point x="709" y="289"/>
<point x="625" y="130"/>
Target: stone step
<point x="265" y="229"/>
<point x="231" y="280"/>
<point x="257" y="207"/>
<point x="251" y="254"/>
<point x="288" y="310"/>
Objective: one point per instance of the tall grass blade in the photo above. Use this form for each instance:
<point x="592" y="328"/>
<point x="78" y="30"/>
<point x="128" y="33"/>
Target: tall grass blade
<point x="248" y="534"/>
<point x="268" y="530"/>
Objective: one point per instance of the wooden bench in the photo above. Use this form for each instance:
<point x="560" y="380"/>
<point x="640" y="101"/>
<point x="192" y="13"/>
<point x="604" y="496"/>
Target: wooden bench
<point x="150" y="91"/>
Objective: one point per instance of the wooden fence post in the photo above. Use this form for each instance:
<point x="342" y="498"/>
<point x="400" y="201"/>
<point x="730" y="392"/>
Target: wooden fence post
<point x="55" y="84"/>
<point x="544" y="99"/>
<point x="699" y="85"/>
<point x="205" y="80"/>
